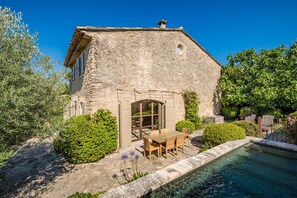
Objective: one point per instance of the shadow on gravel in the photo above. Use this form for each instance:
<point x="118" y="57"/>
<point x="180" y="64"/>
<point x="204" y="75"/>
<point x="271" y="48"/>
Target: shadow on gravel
<point x="197" y="141"/>
<point x="32" y="168"/>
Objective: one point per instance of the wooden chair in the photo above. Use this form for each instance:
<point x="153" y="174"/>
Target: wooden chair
<point x="150" y="147"/>
<point x="187" y="137"/>
<point x="169" y="145"/>
<point x="154" y="133"/>
<point x="180" y="141"/>
<point x="165" y="130"/>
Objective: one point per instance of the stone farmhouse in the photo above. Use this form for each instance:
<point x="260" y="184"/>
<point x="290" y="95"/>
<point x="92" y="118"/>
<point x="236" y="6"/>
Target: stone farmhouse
<point x="139" y="74"/>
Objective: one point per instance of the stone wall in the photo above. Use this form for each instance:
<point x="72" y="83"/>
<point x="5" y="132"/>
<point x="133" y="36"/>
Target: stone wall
<point x="133" y="65"/>
<point x="136" y="65"/>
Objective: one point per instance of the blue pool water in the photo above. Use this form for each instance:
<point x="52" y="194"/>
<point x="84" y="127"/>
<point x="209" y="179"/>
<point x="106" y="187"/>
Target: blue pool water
<point x="250" y="171"/>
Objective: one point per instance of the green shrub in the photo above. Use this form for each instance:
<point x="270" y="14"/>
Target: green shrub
<point x="5" y="154"/>
<point x="185" y="124"/>
<point x="277" y="113"/>
<point x="191" y="101"/>
<point x="293" y="115"/>
<point x="246" y="111"/>
<point x="251" y="129"/>
<point x="229" y="113"/>
<point x="88" y="138"/>
<point x="58" y="144"/>
<point x="85" y="195"/>
<point x="220" y="133"/>
<point x="205" y="147"/>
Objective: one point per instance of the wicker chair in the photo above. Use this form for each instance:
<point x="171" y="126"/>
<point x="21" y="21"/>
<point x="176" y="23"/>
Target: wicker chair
<point x="169" y="145"/>
<point x="180" y="141"/>
<point x="187" y="137"/>
<point x="150" y="147"/>
<point x="165" y="130"/>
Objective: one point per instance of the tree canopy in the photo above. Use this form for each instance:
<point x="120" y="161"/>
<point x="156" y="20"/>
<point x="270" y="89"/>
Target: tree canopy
<point x="265" y="81"/>
<point x="31" y="100"/>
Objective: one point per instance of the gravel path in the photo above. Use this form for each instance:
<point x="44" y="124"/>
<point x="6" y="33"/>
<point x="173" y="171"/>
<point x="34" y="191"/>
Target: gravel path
<point x="38" y="171"/>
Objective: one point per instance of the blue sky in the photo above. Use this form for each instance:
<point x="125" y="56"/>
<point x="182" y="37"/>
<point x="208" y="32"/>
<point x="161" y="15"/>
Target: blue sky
<point x="221" y="27"/>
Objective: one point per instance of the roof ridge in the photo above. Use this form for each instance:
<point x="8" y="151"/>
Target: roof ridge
<point x="124" y="28"/>
<point x="81" y="30"/>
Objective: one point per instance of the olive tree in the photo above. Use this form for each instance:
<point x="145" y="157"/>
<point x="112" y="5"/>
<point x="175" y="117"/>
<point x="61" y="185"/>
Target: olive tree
<point x="31" y="90"/>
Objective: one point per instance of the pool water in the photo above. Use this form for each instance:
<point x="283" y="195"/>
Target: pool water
<point x="250" y="171"/>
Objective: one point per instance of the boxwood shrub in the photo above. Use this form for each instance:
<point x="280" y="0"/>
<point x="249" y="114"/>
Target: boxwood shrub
<point x="185" y="124"/>
<point x="251" y="129"/>
<point x="220" y="133"/>
<point x="88" y="138"/>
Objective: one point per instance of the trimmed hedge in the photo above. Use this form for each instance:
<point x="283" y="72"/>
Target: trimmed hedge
<point x="229" y="113"/>
<point x="185" y="124"/>
<point x="251" y="129"/>
<point x="88" y="138"/>
<point x="220" y="133"/>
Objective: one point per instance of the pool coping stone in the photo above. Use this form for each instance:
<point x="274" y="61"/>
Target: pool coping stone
<point x="153" y="181"/>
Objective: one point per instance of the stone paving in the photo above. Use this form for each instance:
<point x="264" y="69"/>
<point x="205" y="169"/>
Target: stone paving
<point x="38" y="171"/>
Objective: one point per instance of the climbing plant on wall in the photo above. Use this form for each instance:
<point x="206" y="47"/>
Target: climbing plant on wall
<point x="191" y="101"/>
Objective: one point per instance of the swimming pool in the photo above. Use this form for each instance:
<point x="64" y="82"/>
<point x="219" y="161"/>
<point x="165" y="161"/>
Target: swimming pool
<point x="250" y="171"/>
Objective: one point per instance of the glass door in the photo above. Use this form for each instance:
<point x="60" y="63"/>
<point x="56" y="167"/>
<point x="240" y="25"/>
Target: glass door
<point x="146" y="116"/>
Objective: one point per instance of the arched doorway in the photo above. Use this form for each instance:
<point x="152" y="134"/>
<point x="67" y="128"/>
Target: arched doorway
<point x="147" y="115"/>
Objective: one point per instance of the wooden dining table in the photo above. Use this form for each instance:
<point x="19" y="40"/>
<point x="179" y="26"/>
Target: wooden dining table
<point x="161" y="138"/>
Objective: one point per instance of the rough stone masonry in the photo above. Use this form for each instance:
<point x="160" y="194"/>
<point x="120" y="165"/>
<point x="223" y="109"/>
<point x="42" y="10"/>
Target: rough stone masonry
<point x="125" y="65"/>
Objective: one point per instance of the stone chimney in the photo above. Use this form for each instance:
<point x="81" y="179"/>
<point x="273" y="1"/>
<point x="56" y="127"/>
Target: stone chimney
<point x="162" y="24"/>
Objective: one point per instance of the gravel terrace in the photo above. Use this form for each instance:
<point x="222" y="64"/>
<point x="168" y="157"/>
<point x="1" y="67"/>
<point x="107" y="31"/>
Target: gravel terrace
<point x="37" y="170"/>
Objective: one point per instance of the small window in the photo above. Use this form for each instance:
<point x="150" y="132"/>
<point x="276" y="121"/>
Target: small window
<point x="83" y="62"/>
<point x="179" y="49"/>
<point x="73" y="73"/>
<point x="79" y="67"/>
